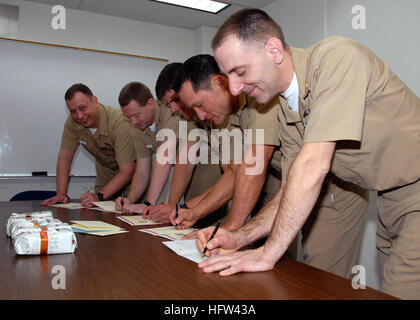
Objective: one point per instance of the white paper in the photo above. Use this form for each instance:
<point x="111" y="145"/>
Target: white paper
<point x="170" y="232"/>
<point x="186" y="248"/>
<point x="68" y="205"/>
<point x="137" y="220"/>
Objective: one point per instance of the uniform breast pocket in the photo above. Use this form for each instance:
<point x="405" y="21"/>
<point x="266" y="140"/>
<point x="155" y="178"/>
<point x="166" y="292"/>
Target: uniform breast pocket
<point x="90" y="147"/>
<point x="107" y="148"/>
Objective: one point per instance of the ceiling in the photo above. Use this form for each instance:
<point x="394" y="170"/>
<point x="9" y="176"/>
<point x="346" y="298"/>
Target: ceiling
<point x="154" y="12"/>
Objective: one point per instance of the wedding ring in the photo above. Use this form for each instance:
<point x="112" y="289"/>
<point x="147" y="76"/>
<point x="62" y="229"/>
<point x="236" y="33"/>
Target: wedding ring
<point x="228" y="264"/>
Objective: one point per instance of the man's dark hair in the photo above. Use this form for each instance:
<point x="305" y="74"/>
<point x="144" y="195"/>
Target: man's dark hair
<point x="166" y="79"/>
<point x="77" y="87"/>
<point x="251" y="26"/>
<point x="197" y="69"/>
<point x="136" y="91"/>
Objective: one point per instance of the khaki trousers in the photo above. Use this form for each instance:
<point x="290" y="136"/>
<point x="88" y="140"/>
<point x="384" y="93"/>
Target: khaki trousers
<point x="205" y="176"/>
<point x="398" y="241"/>
<point x="332" y="235"/>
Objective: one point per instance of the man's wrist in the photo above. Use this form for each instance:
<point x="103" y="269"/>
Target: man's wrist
<point x="241" y="238"/>
<point x="183" y="206"/>
<point x="148" y="203"/>
<point x="60" y="194"/>
<point x="101" y="196"/>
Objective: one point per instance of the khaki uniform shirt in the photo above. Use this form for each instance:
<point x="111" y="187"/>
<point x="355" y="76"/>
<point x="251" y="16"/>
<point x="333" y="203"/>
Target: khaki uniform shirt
<point x="111" y="145"/>
<point x="146" y="142"/>
<point x="252" y="116"/>
<point x="349" y="95"/>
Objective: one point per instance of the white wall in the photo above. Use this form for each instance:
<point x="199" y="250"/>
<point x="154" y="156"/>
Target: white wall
<point x="392" y="32"/>
<point x="302" y="21"/>
<point x="204" y="35"/>
<point x="101" y="32"/>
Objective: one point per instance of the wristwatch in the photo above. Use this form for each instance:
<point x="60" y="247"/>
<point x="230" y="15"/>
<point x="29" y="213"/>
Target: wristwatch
<point x="101" y="196"/>
<point x="183" y="206"/>
<point x="147" y="203"/>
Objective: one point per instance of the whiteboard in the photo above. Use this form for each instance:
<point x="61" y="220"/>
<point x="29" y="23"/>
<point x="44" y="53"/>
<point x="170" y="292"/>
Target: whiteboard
<point x="33" y="81"/>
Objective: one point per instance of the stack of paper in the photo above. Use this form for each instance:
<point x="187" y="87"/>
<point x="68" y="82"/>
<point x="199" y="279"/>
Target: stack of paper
<point x="137" y="220"/>
<point x="97" y="228"/>
<point x="170" y="233"/>
<point x="108" y="206"/>
<point x="69" y="205"/>
<point x="187" y="249"/>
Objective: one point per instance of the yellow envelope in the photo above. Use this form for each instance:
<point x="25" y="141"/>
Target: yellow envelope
<point x="94" y="225"/>
<point x="106" y="206"/>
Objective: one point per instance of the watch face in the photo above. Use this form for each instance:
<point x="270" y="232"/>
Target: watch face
<point x="100" y="196"/>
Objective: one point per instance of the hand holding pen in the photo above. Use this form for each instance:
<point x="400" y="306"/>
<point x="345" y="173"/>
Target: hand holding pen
<point x="87" y="198"/>
<point x="122" y="201"/>
<point x="211" y="238"/>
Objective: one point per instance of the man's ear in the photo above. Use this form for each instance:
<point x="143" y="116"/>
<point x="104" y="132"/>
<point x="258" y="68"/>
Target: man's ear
<point x="274" y="48"/>
<point x="150" y="102"/>
<point x="220" y="81"/>
<point x="95" y="100"/>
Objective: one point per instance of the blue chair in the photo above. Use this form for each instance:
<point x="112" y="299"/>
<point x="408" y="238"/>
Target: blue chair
<point x="33" y="195"/>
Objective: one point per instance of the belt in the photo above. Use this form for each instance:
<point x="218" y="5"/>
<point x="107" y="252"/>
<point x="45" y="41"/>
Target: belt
<point x="382" y="192"/>
<point x="274" y="172"/>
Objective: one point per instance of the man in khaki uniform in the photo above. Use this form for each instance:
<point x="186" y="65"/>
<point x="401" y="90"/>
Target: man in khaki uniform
<point x="149" y="118"/>
<point x="357" y="120"/>
<point x="244" y="117"/>
<point x="190" y="180"/>
<point x="337" y="202"/>
<point x="103" y="132"/>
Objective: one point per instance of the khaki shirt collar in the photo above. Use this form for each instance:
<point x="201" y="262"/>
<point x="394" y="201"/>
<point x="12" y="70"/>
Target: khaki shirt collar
<point x="158" y="105"/>
<point x="103" y="122"/>
<point x="300" y="62"/>
<point x="243" y="101"/>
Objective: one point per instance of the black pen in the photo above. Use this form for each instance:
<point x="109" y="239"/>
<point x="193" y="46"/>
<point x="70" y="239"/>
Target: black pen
<point x="211" y="237"/>
<point x="122" y="201"/>
<point x="176" y="213"/>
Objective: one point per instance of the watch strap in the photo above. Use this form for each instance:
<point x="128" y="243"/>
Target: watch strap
<point x="101" y="196"/>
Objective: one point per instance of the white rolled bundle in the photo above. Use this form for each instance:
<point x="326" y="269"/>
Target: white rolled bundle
<point x="54" y="241"/>
<point x="19" y="229"/>
<point x="16" y="217"/>
<point x="22" y="223"/>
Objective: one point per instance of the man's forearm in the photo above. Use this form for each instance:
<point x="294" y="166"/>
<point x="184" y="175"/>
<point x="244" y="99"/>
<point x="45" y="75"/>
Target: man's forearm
<point x="300" y="194"/>
<point x="245" y="196"/>
<point x="181" y="178"/>
<point x="138" y="186"/>
<point x="261" y="224"/>
<point x="65" y="159"/>
<point x="194" y="202"/>
<point x="160" y="175"/>
<point x="140" y="179"/>
<point x="219" y="195"/>
<point x="119" y="181"/>
<point x="248" y="186"/>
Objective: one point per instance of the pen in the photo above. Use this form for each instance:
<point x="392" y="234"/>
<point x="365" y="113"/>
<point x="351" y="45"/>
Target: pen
<point x="176" y="213"/>
<point x="88" y="189"/>
<point x="211" y="237"/>
<point x="122" y="201"/>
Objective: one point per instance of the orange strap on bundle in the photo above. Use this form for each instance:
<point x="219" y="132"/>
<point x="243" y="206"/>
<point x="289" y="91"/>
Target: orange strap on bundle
<point x="44" y="241"/>
<point x="28" y="217"/>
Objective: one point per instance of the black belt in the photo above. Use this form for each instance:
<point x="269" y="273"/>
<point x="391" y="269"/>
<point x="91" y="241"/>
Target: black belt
<point x="274" y="172"/>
